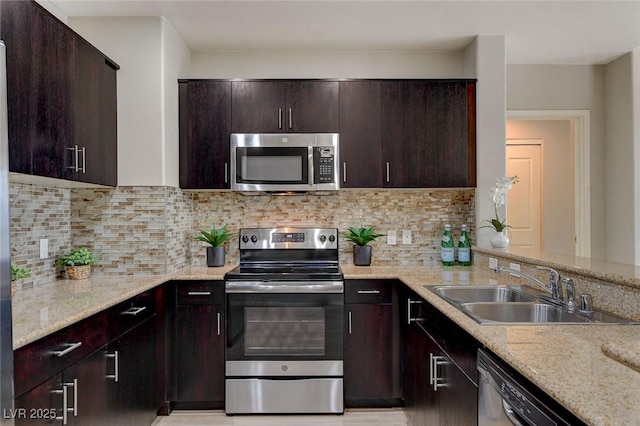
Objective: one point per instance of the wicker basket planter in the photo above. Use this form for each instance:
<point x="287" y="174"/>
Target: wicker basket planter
<point x="78" y="272"/>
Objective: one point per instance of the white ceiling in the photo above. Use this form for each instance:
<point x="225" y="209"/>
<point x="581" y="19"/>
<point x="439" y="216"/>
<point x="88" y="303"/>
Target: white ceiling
<point x="537" y="32"/>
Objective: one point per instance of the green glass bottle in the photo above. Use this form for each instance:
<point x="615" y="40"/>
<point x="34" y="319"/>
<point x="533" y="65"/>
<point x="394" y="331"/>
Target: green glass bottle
<point x="464" y="248"/>
<point x="447" y="247"/>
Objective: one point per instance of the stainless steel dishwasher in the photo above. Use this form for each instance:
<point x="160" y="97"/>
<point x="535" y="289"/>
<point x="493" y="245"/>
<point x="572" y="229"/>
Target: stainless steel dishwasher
<point x="507" y="398"/>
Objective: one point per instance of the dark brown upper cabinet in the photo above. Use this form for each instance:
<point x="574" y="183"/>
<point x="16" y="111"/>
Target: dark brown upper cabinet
<point x="205" y="128"/>
<point x="360" y="134"/>
<point x="292" y="106"/>
<point x="61" y="99"/>
<point x="428" y="133"/>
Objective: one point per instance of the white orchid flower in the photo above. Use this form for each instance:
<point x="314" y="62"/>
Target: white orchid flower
<point x="499" y="198"/>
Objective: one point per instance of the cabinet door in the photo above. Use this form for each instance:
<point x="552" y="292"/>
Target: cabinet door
<point x="86" y="383"/>
<point x="426" y="138"/>
<point x="360" y="137"/>
<point x="199" y="348"/>
<point x="258" y="107"/>
<point x="40" y="406"/>
<point x="205" y="129"/>
<point x="132" y="398"/>
<point x="15" y="30"/>
<point x="368" y="354"/>
<point x="312" y="107"/>
<point x="94" y="117"/>
<point x="458" y="397"/>
<point x="51" y="108"/>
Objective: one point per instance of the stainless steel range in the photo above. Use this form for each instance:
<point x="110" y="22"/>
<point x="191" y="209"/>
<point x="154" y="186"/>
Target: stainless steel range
<point x="285" y="322"/>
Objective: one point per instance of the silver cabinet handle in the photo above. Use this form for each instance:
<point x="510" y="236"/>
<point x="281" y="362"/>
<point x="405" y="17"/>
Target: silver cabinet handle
<point x="62" y="391"/>
<point x="226" y="172"/>
<point x="387" y="172"/>
<point x="73" y="409"/>
<point x="344" y="172"/>
<point x="409" y="303"/>
<point x="134" y="311"/>
<point x="290" y="119"/>
<point x="436" y="361"/>
<point x="74" y="166"/>
<point x="279" y="118"/>
<point x="116" y="367"/>
<point x="199" y="293"/>
<point x="368" y="291"/>
<point x="219" y="323"/>
<point x="349" y="322"/>
<point x="84" y="161"/>
<point x="72" y="347"/>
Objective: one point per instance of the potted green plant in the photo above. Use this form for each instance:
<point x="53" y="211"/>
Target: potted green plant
<point x="361" y="237"/>
<point x="17" y="272"/>
<point x="77" y="263"/>
<point x="216" y="239"/>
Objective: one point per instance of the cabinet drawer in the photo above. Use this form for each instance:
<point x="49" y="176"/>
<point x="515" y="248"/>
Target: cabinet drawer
<point x="200" y="292"/>
<point x="126" y="315"/>
<point x="44" y="358"/>
<point x="368" y="291"/>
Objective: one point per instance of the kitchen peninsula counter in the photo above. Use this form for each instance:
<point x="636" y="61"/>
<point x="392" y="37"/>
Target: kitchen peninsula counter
<point x="566" y="361"/>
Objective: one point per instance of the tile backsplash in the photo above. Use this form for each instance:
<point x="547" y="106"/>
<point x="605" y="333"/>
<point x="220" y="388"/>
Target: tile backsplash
<point x="151" y="230"/>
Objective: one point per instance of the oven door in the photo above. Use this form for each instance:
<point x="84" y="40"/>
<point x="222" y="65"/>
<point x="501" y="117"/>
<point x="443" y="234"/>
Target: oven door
<point x="284" y="326"/>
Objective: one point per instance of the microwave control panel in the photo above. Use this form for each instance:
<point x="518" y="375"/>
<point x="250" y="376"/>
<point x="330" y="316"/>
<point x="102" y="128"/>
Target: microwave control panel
<point x="324" y="163"/>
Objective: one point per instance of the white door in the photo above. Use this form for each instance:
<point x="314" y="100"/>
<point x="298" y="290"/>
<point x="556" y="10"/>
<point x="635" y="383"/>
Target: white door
<point x="524" y="199"/>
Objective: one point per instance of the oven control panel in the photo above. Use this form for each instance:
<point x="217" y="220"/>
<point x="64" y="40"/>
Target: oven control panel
<point x="288" y="238"/>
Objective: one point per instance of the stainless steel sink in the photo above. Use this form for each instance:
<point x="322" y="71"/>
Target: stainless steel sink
<point x="520" y="313"/>
<point x="516" y="304"/>
<point x="464" y="294"/>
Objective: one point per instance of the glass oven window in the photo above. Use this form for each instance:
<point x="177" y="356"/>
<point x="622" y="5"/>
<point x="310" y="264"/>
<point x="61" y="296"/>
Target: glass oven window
<point x="293" y="331"/>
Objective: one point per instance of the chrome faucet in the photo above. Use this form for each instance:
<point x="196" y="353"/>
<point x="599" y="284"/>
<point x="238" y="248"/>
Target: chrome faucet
<point x="553" y="279"/>
<point x="568" y="285"/>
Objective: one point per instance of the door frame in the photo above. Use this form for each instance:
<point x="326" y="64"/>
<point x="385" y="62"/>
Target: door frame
<point x="581" y="138"/>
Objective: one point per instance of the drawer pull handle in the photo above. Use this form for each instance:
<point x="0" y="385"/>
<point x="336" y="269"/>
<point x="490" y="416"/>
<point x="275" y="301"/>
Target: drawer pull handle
<point x="73" y="409"/>
<point x="368" y="291"/>
<point x="199" y="293"/>
<point x="115" y="376"/>
<point x="72" y="347"/>
<point x="219" y="323"/>
<point x="134" y="311"/>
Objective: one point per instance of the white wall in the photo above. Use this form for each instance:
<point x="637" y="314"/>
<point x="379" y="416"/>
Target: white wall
<point x="620" y="183"/>
<point x="151" y="56"/>
<point x="325" y="64"/>
<point x="558" y="205"/>
<point x="569" y="87"/>
<point x="176" y="61"/>
<point x="485" y="59"/>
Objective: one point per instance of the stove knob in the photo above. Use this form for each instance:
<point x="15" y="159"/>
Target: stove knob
<point x="332" y="238"/>
<point x="245" y="239"/>
<point x="323" y="238"/>
<point x="254" y="239"/>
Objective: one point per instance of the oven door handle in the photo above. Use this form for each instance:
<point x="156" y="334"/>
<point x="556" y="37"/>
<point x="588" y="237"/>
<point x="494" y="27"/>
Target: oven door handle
<point x="284" y="286"/>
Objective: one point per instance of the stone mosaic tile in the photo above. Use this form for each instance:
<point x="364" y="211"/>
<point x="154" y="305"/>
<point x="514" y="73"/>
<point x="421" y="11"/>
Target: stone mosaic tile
<point x="424" y="212"/>
<point x="125" y="226"/>
<point x="179" y="232"/>
<point x="38" y="212"/>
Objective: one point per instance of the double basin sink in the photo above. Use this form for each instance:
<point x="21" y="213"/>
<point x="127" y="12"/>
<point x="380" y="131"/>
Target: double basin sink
<point x="516" y="304"/>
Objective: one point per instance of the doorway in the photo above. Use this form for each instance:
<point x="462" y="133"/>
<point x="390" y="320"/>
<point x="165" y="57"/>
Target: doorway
<point x="565" y="177"/>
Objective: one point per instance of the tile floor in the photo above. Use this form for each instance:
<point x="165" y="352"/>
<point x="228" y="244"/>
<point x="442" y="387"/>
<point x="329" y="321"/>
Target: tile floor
<point x="351" y="417"/>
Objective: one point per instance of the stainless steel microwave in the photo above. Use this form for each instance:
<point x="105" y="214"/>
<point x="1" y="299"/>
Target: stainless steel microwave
<point x="286" y="163"/>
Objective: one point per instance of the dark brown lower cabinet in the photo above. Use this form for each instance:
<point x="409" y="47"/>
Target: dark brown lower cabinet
<point x="371" y="344"/>
<point x="77" y="396"/>
<point x="198" y="345"/>
<point x="439" y="376"/>
<point x="131" y="371"/>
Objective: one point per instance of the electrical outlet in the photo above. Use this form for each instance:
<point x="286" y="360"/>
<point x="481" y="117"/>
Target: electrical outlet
<point x="514" y="266"/>
<point x="391" y="238"/>
<point x="44" y="248"/>
<point x="406" y="236"/>
<point x="493" y="262"/>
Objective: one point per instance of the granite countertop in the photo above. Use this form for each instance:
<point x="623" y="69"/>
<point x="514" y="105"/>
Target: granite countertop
<point x="590" y="369"/>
